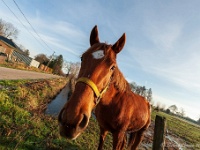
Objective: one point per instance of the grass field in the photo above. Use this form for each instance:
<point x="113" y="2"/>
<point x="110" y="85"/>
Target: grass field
<point x="188" y="131"/>
<point x="23" y="124"/>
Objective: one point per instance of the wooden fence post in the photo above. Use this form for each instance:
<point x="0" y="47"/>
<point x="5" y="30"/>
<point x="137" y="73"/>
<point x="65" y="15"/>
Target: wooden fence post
<point x="159" y="133"/>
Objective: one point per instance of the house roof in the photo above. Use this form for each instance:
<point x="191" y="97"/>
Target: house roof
<point x="10" y="43"/>
<point x="27" y="60"/>
<point x="17" y="51"/>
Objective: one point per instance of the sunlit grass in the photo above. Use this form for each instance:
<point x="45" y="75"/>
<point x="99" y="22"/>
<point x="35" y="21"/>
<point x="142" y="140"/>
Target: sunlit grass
<point x="184" y="129"/>
<point x="20" y="66"/>
<point x="23" y="124"/>
<point x="22" y="127"/>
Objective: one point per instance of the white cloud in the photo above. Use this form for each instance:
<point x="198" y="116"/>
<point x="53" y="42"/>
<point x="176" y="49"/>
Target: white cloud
<point x="58" y="27"/>
<point x="184" y="73"/>
<point x="162" y="34"/>
<point x="68" y="30"/>
<point x="172" y="56"/>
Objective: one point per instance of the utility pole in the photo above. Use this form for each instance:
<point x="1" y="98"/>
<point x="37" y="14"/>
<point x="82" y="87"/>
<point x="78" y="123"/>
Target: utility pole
<point x="50" y="59"/>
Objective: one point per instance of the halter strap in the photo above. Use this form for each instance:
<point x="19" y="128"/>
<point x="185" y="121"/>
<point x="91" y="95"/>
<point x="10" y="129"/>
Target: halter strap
<point x="93" y="87"/>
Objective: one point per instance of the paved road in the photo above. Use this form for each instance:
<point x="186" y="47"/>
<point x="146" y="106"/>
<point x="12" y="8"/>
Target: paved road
<point x="13" y="74"/>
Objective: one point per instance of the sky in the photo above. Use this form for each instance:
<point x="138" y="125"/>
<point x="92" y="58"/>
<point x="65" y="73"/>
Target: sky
<point x="162" y="49"/>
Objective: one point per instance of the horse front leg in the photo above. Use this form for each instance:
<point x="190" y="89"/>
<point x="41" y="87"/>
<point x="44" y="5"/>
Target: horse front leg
<point x="119" y="140"/>
<point x="103" y="134"/>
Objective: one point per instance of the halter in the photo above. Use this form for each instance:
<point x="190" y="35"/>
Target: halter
<point x="93" y="87"/>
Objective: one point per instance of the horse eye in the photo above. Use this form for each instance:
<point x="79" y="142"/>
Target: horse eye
<point x="112" y="68"/>
<point x="81" y="58"/>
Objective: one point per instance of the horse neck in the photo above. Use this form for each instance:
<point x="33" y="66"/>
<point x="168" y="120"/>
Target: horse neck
<point x="118" y="86"/>
<point x="119" y="81"/>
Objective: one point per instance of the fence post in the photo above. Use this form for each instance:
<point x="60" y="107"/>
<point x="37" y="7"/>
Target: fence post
<point x="159" y="133"/>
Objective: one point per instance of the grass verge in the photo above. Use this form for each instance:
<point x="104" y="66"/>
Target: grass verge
<point x="23" y="124"/>
<point x="21" y="66"/>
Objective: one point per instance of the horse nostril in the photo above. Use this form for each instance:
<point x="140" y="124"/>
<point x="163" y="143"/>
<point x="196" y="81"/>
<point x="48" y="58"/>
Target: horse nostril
<point x="84" y="121"/>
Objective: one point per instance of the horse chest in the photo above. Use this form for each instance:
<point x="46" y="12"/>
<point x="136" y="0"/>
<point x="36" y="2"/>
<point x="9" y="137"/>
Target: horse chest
<point x="109" y="117"/>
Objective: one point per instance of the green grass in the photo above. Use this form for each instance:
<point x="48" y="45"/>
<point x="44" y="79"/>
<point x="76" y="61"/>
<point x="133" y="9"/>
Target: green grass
<point x="188" y="131"/>
<point x="14" y="83"/>
<point x="23" y="124"/>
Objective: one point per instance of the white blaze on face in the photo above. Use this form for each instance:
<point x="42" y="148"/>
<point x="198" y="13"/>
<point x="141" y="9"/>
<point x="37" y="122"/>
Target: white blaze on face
<point x="98" y="54"/>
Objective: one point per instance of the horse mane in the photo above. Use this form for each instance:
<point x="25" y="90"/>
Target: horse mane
<point x="119" y="81"/>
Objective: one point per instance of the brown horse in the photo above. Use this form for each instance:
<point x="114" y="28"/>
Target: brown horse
<point x="101" y="84"/>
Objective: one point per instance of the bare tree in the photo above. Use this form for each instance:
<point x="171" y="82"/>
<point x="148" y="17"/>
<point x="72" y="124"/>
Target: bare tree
<point x="57" y="64"/>
<point x="168" y="111"/>
<point x="152" y="103"/>
<point x="67" y="66"/>
<point x="71" y="68"/>
<point x="173" y="108"/>
<point x="149" y="95"/>
<point x="8" y="30"/>
<point x="198" y="121"/>
<point x="75" y="69"/>
<point x="133" y="86"/>
<point x="143" y="91"/>
<point x="158" y="106"/>
<point x="182" y="112"/>
<point x="42" y="58"/>
<point x="163" y="107"/>
<point x="21" y="47"/>
<point x="26" y="52"/>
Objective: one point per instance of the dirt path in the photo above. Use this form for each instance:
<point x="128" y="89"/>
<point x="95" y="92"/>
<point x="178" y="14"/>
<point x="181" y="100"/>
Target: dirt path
<point x="14" y="74"/>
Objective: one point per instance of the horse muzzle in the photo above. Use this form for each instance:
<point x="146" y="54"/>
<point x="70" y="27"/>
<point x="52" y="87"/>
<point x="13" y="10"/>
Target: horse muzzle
<point x="71" y="130"/>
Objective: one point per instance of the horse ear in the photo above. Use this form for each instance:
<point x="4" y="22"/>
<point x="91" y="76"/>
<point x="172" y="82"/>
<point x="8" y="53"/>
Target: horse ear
<point x="94" y="37"/>
<point x="118" y="46"/>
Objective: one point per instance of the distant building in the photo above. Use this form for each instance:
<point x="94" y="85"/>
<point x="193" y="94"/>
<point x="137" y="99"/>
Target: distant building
<point x="14" y="53"/>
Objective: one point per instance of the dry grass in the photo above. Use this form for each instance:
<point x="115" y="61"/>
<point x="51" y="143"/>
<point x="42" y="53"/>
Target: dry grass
<point x="21" y="66"/>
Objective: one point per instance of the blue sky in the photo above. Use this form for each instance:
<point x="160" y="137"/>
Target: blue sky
<point x="162" y="49"/>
